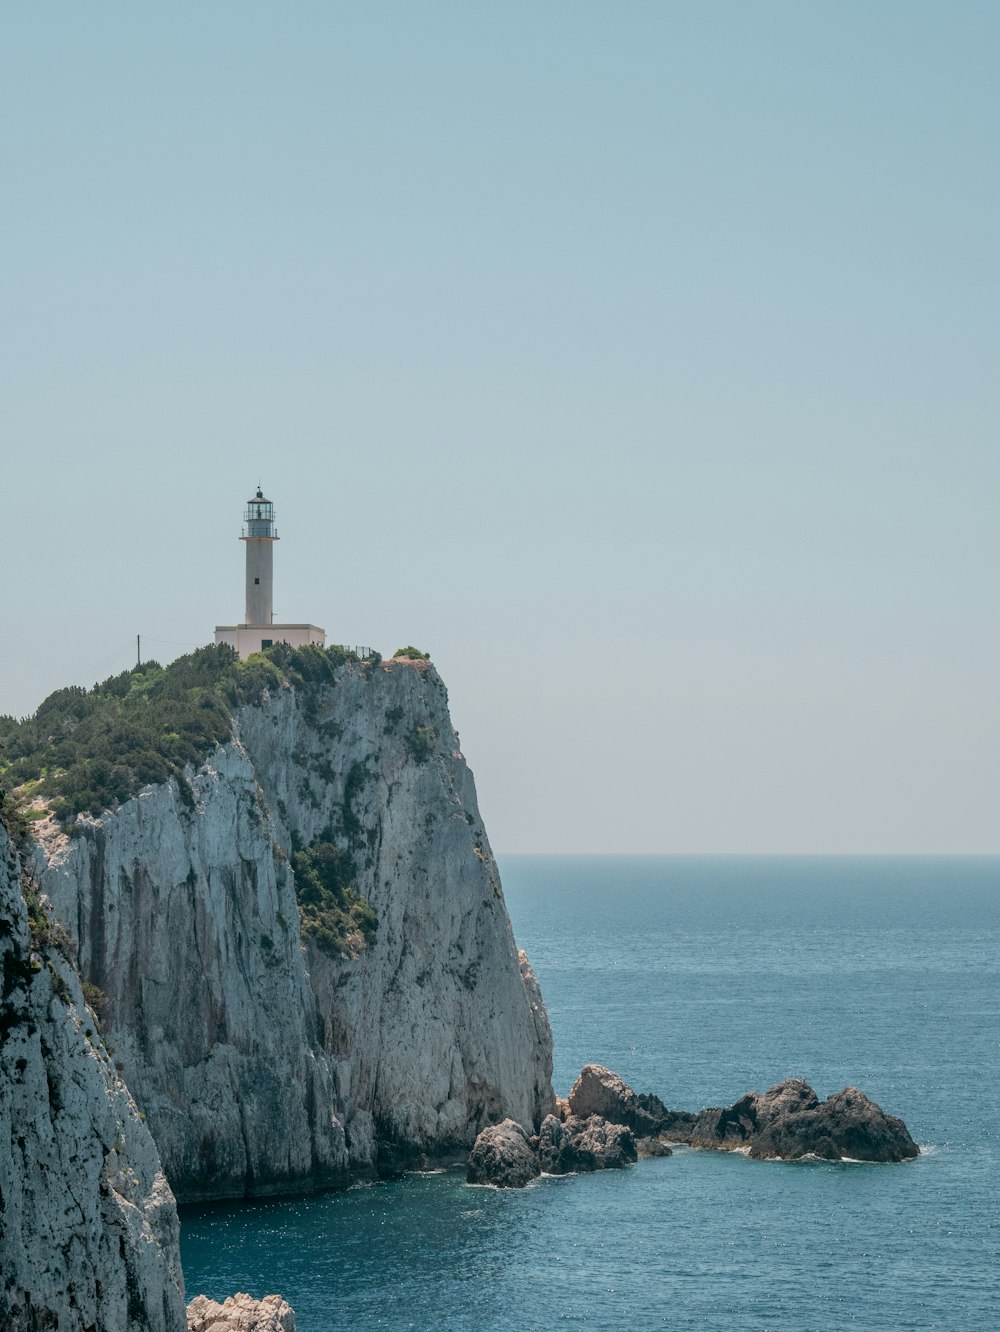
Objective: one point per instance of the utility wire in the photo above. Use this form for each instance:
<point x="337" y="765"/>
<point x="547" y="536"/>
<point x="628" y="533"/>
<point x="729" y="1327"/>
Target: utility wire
<point x="108" y="657"/>
<point x="172" y="642"/>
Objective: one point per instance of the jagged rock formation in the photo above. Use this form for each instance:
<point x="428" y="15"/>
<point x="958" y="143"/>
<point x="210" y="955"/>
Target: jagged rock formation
<point x="578" y="1144"/>
<point x="790" y="1122"/>
<point x="508" y="1157"/>
<point x="265" y="1065"/>
<point x="503" y="1155"/>
<point x="88" y="1227"/>
<point x="598" y="1091"/>
<point x="671" y="1125"/>
<point x="240" y="1313"/>
<point x="600" y="1127"/>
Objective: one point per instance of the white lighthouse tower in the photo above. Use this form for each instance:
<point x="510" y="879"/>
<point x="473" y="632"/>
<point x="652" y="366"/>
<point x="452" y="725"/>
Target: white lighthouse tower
<point x="259" y="630"/>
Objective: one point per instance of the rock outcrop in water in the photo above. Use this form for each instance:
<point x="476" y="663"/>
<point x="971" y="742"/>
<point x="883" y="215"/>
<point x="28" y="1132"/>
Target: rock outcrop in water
<point x="240" y="1313"/>
<point x="508" y="1157"/>
<point x="787" y="1122"/>
<point x="503" y="1155"/>
<point x="583" y="1144"/>
<point x="791" y="1122"/>
<point x="264" y="1061"/>
<point x="598" y="1091"/>
<point x="596" y="1129"/>
<point x="88" y="1227"/>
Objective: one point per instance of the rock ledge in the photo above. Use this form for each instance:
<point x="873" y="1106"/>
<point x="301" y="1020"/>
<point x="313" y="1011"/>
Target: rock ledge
<point x="240" y="1313"/>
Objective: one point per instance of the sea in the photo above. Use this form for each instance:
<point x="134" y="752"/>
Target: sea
<point x="699" y="978"/>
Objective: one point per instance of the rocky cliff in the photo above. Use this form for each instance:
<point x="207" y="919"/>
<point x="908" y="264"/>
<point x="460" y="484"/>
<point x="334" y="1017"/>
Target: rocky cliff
<point x="264" y="1058"/>
<point x="88" y="1227"/>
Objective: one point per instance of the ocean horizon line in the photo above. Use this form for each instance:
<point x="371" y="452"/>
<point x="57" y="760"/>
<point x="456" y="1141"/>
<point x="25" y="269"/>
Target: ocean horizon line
<point x="753" y="855"/>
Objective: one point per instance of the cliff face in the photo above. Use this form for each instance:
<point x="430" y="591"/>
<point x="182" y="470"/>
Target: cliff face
<point x="262" y="1062"/>
<point x="88" y="1227"/>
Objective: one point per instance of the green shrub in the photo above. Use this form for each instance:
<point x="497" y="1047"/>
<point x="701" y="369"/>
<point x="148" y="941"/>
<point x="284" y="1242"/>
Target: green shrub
<point x="95" y="998"/>
<point x="421" y="742"/>
<point x="413" y="653"/>
<point x="39" y="917"/>
<point x="14" y="819"/>
<point x="338" y="919"/>
<point x="60" y="986"/>
<point x="88" y="750"/>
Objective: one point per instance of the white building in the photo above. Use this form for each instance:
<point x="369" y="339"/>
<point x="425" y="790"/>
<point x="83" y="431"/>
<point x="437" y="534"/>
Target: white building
<point x="259" y="630"/>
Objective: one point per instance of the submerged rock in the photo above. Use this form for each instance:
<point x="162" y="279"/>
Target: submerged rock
<point x="240" y="1313"/>
<point x="503" y="1155"/>
<point x="789" y="1121"/>
<point x="652" y="1147"/>
<point x="584" y="1144"/>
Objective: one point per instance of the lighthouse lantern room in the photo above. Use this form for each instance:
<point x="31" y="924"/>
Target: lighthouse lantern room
<point x="259" y="630"/>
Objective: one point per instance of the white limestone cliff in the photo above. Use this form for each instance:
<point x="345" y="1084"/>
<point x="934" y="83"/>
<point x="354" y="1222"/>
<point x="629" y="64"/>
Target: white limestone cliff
<point x="88" y="1227"/>
<point x="262" y="1063"/>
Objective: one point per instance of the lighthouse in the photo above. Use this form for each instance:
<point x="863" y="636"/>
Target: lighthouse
<point x="259" y="630"/>
<point x="260" y="534"/>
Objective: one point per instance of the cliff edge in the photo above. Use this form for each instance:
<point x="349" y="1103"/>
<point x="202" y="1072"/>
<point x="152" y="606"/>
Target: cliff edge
<point x="88" y="1227"/>
<point x="304" y="960"/>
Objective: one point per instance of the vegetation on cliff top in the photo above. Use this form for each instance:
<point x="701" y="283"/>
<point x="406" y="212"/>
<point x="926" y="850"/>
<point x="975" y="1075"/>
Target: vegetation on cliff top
<point x="86" y="750"/>
<point x="340" y="920"/>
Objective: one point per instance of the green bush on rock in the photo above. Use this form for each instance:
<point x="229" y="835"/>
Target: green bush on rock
<point x="338" y="919"/>
<point x="87" y="750"/>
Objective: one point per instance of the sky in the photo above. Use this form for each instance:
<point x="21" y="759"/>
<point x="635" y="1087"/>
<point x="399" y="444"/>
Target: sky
<point x="636" y="360"/>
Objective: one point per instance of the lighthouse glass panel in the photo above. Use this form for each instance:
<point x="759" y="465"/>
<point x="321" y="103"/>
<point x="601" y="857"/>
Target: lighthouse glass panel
<point x="259" y="518"/>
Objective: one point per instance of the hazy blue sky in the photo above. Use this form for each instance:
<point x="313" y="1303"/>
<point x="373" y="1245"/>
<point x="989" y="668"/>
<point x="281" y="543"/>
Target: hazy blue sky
<point x="638" y="360"/>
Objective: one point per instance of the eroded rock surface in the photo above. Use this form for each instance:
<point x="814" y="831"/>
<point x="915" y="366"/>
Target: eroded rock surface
<point x="503" y="1155"/>
<point x="671" y="1125"/>
<point x="579" y="1144"/>
<point x="88" y="1227"/>
<point x="240" y="1313"/>
<point x="599" y="1091"/>
<point x="654" y="1146"/>
<point x="789" y="1121"/>
<point x="507" y="1156"/>
<point x="263" y="1063"/>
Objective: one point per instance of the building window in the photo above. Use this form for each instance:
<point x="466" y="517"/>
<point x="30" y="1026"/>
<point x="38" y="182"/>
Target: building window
<point x="266" y="642"/>
<point x="256" y="580"/>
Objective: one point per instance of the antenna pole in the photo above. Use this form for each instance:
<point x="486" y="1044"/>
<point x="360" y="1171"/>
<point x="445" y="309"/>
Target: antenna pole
<point x="138" y="651"/>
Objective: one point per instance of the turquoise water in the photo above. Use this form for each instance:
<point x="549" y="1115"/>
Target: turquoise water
<point x="699" y="978"/>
